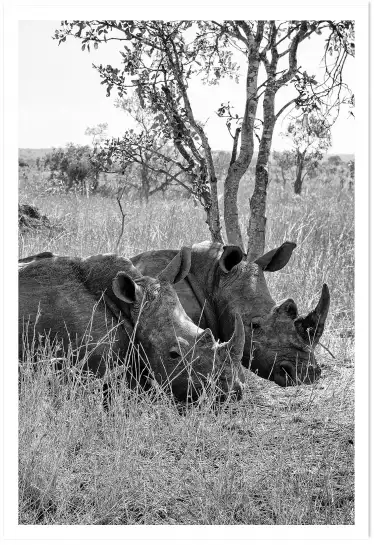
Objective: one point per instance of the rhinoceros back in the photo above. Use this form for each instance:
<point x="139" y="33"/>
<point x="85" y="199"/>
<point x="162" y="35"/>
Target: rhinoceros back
<point x="55" y="301"/>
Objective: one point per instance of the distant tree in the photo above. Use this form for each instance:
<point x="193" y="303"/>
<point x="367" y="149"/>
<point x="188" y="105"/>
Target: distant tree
<point x="160" y="58"/>
<point x="285" y="161"/>
<point x="336" y="168"/>
<point x="334" y="160"/>
<point x="221" y="160"/>
<point x="72" y="167"/>
<point x="310" y="138"/>
<point x="351" y="166"/>
<point x="98" y="133"/>
<point x="77" y="172"/>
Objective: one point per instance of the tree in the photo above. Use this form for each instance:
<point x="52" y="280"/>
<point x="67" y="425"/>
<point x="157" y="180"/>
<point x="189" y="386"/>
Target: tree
<point x="73" y="167"/>
<point x="310" y="138"/>
<point x="335" y="160"/>
<point x="98" y="133"/>
<point x="159" y="59"/>
<point x="351" y="166"/>
<point x="285" y="161"/>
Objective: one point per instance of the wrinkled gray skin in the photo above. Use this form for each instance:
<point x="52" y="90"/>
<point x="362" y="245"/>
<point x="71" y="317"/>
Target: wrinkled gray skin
<point x="62" y="298"/>
<point x="221" y="283"/>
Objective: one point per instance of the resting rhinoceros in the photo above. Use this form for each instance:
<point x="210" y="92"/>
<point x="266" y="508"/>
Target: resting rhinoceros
<point x="279" y="343"/>
<point x="94" y="305"/>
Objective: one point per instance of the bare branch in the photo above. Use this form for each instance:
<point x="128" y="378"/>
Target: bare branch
<point x="285" y="107"/>
<point x="119" y="197"/>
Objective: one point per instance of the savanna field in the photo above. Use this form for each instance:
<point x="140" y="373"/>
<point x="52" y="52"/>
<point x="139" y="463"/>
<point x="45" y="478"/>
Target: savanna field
<point x="276" y="457"/>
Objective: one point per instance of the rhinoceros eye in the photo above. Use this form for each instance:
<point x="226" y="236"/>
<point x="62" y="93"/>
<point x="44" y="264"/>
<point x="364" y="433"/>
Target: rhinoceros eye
<point x="174" y="354"/>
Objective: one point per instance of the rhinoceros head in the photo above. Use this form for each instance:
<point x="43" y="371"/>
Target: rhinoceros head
<point x="279" y="343"/>
<point x="206" y="363"/>
<point x="283" y="342"/>
<point x="180" y="354"/>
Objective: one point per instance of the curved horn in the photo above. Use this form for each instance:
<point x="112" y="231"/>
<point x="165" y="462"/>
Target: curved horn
<point x="235" y="345"/>
<point x="178" y="267"/>
<point x="311" y="327"/>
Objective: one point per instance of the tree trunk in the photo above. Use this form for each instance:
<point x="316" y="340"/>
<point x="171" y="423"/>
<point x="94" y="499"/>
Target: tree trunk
<point x="212" y="212"/>
<point x="231" y="215"/>
<point x="239" y="166"/>
<point x="206" y="163"/>
<point x="298" y="183"/>
<point x="257" y="203"/>
<point x="299" y="173"/>
<point x="284" y="178"/>
<point x="95" y="183"/>
<point x="257" y="218"/>
<point x="145" y="183"/>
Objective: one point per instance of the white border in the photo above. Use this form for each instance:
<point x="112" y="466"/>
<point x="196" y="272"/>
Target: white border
<point x="11" y="530"/>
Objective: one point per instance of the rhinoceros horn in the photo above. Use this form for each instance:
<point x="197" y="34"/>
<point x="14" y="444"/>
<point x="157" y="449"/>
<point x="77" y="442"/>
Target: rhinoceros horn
<point x="178" y="267"/>
<point x="310" y="327"/>
<point x="235" y="345"/>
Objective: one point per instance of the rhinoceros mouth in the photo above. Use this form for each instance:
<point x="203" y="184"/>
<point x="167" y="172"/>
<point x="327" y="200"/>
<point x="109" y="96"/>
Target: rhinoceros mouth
<point x="286" y="374"/>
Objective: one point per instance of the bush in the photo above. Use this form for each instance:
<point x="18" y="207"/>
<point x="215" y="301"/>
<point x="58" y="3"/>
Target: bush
<point x="73" y="168"/>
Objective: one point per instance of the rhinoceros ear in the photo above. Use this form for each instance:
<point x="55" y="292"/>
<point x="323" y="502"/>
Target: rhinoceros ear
<point x="178" y="268"/>
<point x="276" y="259"/>
<point x="125" y="288"/>
<point x="231" y="256"/>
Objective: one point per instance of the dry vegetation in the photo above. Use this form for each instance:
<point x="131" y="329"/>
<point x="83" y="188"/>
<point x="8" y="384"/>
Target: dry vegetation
<point x="279" y="456"/>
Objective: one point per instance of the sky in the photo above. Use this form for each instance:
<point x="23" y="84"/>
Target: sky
<point x="60" y="95"/>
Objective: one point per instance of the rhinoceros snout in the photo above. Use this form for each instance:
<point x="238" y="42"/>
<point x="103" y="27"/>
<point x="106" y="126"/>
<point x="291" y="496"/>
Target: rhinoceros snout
<point x="287" y="375"/>
<point x="233" y="391"/>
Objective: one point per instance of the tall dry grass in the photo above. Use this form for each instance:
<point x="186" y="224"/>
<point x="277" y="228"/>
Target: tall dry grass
<point x="279" y="456"/>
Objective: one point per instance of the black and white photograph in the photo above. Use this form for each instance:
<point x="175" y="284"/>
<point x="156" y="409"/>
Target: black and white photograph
<point x="190" y="192"/>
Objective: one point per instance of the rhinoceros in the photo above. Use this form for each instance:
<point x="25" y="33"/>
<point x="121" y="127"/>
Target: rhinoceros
<point x="82" y="302"/>
<point x="279" y="343"/>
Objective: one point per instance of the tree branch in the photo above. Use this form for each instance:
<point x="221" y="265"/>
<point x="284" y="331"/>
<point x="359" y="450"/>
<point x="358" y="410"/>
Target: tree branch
<point x="285" y="107"/>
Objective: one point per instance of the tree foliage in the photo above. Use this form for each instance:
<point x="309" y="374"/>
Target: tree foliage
<point x="73" y="167"/>
<point x="98" y="133"/>
<point x="156" y="164"/>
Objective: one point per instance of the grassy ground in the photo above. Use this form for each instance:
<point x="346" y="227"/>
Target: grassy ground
<point x="279" y="456"/>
